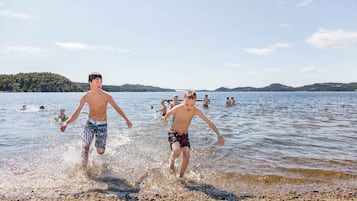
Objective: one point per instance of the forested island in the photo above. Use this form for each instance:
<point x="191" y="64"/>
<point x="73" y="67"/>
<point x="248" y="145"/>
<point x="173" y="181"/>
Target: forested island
<point x="330" y="86"/>
<point x="51" y="82"/>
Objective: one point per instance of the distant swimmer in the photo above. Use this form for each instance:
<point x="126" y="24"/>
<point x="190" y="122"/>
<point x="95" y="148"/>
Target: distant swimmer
<point x="233" y="101"/>
<point x="206" y="101"/>
<point x="42" y="108"/>
<point x="96" y="126"/>
<point x="228" y="102"/>
<point x="24" y="107"/>
<point x="62" y="116"/>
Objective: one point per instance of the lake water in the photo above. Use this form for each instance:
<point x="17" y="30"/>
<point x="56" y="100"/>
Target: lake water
<point x="270" y="137"/>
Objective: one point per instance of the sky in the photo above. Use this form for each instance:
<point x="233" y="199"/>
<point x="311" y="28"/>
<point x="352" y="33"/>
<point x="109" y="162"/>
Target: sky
<point x="182" y="44"/>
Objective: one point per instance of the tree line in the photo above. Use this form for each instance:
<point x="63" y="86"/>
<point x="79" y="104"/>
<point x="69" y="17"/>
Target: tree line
<point x="51" y="82"/>
<point x="37" y="82"/>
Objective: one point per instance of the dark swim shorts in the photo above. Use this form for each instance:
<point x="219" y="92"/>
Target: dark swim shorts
<point x="173" y="137"/>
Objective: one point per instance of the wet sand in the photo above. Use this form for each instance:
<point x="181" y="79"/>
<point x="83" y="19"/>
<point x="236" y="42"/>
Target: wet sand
<point x="339" y="194"/>
<point x="192" y="190"/>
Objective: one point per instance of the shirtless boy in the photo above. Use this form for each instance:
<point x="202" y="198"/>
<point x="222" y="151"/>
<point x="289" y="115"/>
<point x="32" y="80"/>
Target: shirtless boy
<point x="206" y="101"/>
<point x="97" y="100"/>
<point x="178" y="133"/>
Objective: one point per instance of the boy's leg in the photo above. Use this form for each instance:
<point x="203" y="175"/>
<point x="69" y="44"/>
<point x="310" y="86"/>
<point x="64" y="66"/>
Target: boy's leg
<point x="87" y="138"/>
<point x="185" y="160"/>
<point x="85" y="153"/>
<point x="176" y="150"/>
<point x="101" y="138"/>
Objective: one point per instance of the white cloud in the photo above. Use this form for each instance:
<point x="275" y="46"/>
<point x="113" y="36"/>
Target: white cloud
<point x="233" y="65"/>
<point x="16" y="15"/>
<point x="304" y="3"/>
<point x="114" y="49"/>
<point x="280" y="45"/>
<point x="28" y="50"/>
<point x="81" y="46"/>
<point x="308" y="69"/>
<point x="273" y="70"/>
<point x="260" y="51"/>
<point x="74" y="46"/>
<point x="332" y="38"/>
<point x="268" y="50"/>
<point x="312" y="69"/>
<point x="284" y="25"/>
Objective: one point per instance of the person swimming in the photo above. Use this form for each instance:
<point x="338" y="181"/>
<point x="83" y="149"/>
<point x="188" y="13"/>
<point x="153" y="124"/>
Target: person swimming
<point x="62" y="116"/>
<point x="24" y="107"/>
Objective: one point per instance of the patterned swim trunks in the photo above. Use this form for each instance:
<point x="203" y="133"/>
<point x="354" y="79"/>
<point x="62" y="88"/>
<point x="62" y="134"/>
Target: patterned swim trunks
<point x="99" y="129"/>
<point x="183" y="139"/>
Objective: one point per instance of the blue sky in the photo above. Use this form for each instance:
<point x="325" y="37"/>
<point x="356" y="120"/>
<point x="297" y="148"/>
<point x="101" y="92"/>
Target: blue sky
<point x="182" y="44"/>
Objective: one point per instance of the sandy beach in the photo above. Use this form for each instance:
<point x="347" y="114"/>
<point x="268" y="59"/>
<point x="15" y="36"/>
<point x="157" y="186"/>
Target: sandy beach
<point x="338" y="194"/>
<point x="193" y="190"/>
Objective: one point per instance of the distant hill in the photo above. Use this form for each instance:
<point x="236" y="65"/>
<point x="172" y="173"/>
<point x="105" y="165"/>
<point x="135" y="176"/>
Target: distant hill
<point x="127" y="87"/>
<point x="50" y="82"/>
<point x="330" y="86"/>
<point x="37" y="82"/>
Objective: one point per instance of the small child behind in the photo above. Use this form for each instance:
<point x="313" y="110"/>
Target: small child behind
<point x="163" y="108"/>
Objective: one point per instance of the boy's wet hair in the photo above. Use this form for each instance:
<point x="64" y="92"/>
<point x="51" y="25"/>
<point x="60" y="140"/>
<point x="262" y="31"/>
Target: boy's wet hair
<point x="93" y="76"/>
<point x="190" y="94"/>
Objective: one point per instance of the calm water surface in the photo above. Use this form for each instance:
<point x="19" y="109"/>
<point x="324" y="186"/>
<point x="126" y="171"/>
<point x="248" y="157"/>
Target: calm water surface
<point x="278" y="136"/>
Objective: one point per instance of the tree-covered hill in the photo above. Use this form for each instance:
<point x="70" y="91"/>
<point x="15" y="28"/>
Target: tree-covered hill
<point x="128" y="87"/>
<point x="37" y="82"/>
<point x="330" y="86"/>
<point x="50" y="82"/>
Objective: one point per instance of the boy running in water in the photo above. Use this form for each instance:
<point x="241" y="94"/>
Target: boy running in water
<point x="97" y="100"/>
<point x="178" y="133"/>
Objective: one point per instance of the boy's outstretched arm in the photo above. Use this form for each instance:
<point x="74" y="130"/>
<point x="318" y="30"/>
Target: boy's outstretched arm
<point x="120" y="111"/>
<point x="212" y="125"/>
<point x="75" y="114"/>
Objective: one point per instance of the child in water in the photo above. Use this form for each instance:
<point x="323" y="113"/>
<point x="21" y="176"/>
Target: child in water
<point x="97" y="100"/>
<point x="163" y="108"/>
<point x="62" y="116"/>
<point x="178" y="133"/>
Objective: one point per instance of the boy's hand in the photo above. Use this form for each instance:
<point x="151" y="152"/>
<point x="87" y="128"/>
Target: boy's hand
<point x="129" y="124"/>
<point x="63" y="127"/>
<point x="221" y="141"/>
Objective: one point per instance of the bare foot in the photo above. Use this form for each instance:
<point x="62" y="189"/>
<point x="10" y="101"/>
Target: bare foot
<point x="172" y="167"/>
<point x="82" y="172"/>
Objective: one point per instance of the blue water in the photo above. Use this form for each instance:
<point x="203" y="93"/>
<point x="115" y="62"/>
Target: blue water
<point x="280" y="137"/>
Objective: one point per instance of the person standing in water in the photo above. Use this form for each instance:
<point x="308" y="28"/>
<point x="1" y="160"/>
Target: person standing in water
<point x="175" y="101"/>
<point x="206" y="101"/>
<point x="96" y="126"/>
<point x="178" y="132"/>
<point x="163" y="108"/>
